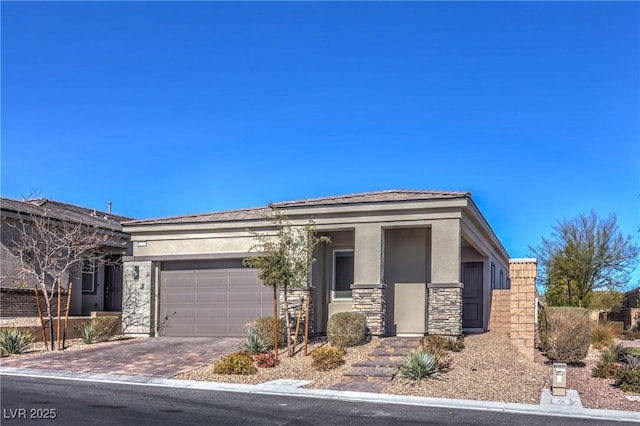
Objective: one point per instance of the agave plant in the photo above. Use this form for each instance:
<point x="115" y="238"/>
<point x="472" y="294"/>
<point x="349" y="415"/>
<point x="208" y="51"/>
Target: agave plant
<point x="14" y="341"/>
<point x="88" y="333"/>
<point x="254" y="344"/>
<point x="420" y="365"/>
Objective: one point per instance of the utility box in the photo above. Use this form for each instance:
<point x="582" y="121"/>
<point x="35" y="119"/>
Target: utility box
<point x="559" y="386"/>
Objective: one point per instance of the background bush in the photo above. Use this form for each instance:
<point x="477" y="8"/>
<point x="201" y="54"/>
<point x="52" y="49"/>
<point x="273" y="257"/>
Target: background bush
<point x="437" y="344"/>
<point x="346" y="329"/>
<point x="264" y="328"/>
<point x="569" y="334"/>
<point x="106" y="327"/>
<point x="601" y="335"/>
<point x="235" y="363"/>
<point x="629" y="379"/>
<point x="327" y="358"/>
<point x="14" y="341"/>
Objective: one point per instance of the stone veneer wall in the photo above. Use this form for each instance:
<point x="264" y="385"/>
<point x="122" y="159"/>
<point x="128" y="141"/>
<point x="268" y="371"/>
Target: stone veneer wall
<point x="500" y="316"/>
<point x="295" y="298"/>
<point x="523" y="305"/>
<point x="369" y="300"/>
<point x="137" y="307"/>
<point x="445" y="309"/>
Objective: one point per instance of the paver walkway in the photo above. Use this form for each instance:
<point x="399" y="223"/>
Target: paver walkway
<point x="377" y="372"/>
<point x="161" y="357"/>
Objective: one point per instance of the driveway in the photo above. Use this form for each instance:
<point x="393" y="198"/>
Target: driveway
<point x="162" y="357"/>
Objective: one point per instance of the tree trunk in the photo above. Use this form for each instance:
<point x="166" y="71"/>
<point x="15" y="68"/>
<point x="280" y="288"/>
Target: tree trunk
<point x="275" y="320"/>
<point x="287" y="321"/>
<point x="42" y="327"/>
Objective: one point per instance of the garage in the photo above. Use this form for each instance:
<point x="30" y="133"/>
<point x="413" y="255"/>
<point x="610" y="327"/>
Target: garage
<point x="211" y="298"/>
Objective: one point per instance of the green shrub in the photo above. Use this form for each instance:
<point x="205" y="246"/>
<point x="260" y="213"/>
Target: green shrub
<point x="607" y="370"/>
<point x="266" y="360"/>
<point x="601" y="335"/>
<point x="608" y="356"/>
<point x="264" y="328"/>
<point x="254" y="344"/>
<point x="629" y="380"/>
<point x="436" y="344"/>
<point x="420" y="365"/>
<point x="235" y="363"/>
<point x="569" y="334"/>
<point x="346" y="329"/>
<point x="14" y="341"/>
<point x="327" y="358"/>
<point x="543" y="328"/>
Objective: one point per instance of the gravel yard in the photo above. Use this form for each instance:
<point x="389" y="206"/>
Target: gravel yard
<point x="296" y="367"/>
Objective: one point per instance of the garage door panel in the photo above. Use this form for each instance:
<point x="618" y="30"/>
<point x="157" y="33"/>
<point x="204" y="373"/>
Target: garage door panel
<point x="211" y="297"/>
<point x="208" y="314"/>
<point x="178" y="298"/>
<point x="211" y="282"/>
<point x="179" y="283"/>
<point x="212" y="302"/>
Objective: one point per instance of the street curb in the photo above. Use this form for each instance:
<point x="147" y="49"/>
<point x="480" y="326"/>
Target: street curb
<point x="266" y="389"/>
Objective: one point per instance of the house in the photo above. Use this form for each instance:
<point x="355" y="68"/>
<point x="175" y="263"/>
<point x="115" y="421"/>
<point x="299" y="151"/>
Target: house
<point x="96" y="287"/>
<point x="631" y="298"/>
<point x="414" y="262"/>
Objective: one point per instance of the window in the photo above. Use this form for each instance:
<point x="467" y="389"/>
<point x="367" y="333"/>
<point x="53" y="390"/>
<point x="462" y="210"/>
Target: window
<point x="342" y="273"/>
<point x="493" y="275"/>
<point x="501" y="278"/>
<point x="89" y="271"/>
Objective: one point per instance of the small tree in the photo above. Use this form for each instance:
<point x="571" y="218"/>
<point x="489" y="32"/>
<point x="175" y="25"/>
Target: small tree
<point x="49" y="247"/>
<point x="584" y="254"/>
<point x="285" y="262"/>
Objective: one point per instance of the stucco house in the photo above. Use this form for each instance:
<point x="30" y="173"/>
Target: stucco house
<point x="414" y="262"/>
<point x="97" y="286"/>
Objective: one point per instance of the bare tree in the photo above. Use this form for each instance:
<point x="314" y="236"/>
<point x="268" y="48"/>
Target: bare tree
<point x="50" y="247"/>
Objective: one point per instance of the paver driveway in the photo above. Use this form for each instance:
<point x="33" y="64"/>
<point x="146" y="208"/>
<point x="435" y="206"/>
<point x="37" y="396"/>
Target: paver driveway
<point x="154" y="357"/>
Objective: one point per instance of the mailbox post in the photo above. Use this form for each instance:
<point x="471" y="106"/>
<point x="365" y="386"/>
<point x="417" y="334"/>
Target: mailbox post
<point x="559" y="386"/>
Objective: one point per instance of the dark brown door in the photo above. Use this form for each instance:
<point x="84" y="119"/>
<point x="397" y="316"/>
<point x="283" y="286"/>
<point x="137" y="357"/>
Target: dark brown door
<point x="472" y="295"/>
<point x="113" y="287"/>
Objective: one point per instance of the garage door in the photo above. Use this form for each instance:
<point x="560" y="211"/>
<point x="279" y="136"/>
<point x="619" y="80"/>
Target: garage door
<point x="212" y="298"/>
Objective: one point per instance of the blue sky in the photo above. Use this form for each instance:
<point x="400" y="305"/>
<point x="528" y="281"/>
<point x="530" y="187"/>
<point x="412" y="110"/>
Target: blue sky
<point x="171" y="108"/>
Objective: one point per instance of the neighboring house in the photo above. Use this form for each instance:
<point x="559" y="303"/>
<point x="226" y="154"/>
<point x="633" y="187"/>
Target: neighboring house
<point x="96" y="287"/>
<point x="631" y="298"/>
<point x="413" y="262"/>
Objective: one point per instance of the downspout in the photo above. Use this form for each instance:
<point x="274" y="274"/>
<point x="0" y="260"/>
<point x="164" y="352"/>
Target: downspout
<point x="156" y="297"/>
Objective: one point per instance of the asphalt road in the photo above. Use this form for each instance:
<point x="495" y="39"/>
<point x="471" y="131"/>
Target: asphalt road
<point x="26" y="400"/>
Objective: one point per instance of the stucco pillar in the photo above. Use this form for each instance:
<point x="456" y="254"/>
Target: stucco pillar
<point x="368" y="254"/>
<point x="523" y="305"/>
<point x="368" y="291"/>
<point x="444" y="309"/>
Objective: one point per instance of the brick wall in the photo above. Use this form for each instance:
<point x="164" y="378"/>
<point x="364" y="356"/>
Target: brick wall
<point x="630" y="317"/>
<point x="369" y="300"/>
<point x="523" y="305"/>
<point x="500" y="316"/>
<point x="21" y="302"/>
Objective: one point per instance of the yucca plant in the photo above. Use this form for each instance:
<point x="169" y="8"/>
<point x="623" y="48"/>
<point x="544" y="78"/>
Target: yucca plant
<point x="89" y="334"/>
<point x="420" y="365"/>
<point x="14" y="341"/>
<point x="254" y="344"/>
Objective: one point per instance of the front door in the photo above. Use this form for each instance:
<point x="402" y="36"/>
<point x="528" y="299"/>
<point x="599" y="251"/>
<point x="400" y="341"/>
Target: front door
<point x="113" y="287"/>
<point x="472" y="295"/>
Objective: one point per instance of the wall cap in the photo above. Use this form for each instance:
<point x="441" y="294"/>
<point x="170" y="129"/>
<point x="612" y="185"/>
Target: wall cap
<point x="445" y="285"/>
<point x="367" y="286"/>
<point x="524" y="260"/>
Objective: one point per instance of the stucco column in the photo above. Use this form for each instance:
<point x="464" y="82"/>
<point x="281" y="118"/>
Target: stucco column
<point x="368" y="254"/>
<point x="368" y="291"/>
<point x="444" y="308"/>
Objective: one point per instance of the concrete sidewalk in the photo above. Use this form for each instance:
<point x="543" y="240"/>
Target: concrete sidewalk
<point x="291" y="390"/>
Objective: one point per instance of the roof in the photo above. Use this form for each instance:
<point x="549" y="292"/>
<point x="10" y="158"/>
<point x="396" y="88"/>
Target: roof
<point x="63" y="211"/>
<point x="387" y="196"/>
